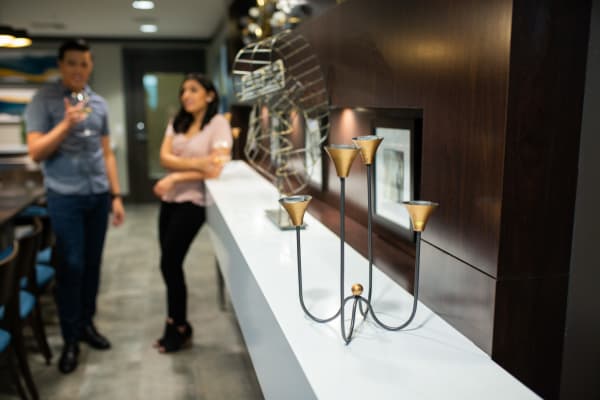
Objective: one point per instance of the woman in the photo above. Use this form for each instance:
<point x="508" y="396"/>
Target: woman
<point x="194" y="144"/>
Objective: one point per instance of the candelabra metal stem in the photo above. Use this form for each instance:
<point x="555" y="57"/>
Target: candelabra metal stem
<point x="415" y="293"/>
<point x="342" y="241"/>
<point x="298" y="228"/>
<point x="369" y="239"/>
<point x="370" y="230"/>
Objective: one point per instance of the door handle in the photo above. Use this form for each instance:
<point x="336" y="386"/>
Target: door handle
<point x="140" y="132"/>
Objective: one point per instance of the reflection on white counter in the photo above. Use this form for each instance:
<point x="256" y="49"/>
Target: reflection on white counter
<point x="297" y="358"/>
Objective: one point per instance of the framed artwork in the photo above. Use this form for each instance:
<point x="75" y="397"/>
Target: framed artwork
<point x="274" y="140"/>
<point x="394" y="175"/>
<point x="313" y="162"/>
<point x="31" y="67"/>
<point x="13" y="101"/>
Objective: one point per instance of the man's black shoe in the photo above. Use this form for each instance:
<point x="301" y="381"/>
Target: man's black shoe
<point x="91" y="336"/>
<point x="68" y="358"/>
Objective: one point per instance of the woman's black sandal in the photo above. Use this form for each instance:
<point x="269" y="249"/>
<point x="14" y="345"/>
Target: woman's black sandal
<point x="173" y="339"/>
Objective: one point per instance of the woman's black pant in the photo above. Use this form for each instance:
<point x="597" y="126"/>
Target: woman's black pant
<point x="178" y="224"/>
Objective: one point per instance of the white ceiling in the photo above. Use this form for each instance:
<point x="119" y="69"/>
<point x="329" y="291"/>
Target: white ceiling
<point x="182" y="19"/>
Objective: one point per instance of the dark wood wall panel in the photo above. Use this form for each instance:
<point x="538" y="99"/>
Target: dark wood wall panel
<point x="449" y="59"/>
<point x="548" y="58"/>
<point x="529" y="331"/>
<point x="545" y="103"/>
<point x="458" y="293"/>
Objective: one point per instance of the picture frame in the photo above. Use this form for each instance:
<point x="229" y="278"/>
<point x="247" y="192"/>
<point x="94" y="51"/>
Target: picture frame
<point x="28" y="67"/>
<point x="395" y="175"/>
<point x="13" y="101"/>
<point x="314" y="152"/>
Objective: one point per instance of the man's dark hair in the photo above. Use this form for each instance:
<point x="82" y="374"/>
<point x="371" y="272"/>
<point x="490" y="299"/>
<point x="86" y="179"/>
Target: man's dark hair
<point x="76" y="44"/>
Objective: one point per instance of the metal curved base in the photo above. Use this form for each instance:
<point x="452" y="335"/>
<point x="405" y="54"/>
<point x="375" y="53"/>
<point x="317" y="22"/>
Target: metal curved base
<point x="347" y="336"/>
<point x="360" y="303"/>
<point x="369" y="310"/>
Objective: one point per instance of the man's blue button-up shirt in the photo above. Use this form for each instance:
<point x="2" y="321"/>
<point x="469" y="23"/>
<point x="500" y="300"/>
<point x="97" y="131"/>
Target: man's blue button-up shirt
<point x="77" y="166"/>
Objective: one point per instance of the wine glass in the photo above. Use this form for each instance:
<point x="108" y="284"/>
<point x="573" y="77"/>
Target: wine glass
<point x="222" y="149"/>
<point x="83" y="98"/>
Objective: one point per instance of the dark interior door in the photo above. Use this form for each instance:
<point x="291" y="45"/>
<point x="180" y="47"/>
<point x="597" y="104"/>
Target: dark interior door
<point x="152" y="81"/>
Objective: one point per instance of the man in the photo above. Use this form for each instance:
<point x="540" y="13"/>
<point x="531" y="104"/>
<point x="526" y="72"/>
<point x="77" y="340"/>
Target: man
<point x="67" y="131"/>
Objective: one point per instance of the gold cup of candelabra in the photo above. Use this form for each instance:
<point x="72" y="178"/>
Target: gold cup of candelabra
<point x="419" y="211"/>
<point x="296" y="207"/>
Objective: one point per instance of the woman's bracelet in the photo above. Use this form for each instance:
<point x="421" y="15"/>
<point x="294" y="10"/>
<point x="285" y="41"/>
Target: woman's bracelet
<point x="116" y="196"/>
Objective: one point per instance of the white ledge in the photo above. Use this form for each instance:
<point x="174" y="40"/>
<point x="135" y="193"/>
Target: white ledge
<point x="297" y="358"/>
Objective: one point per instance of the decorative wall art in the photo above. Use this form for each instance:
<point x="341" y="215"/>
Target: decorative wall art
<point x="28" y="68"/>
<point x="394" y="175"/>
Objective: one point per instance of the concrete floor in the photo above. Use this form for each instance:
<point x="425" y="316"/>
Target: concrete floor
<point x="131" y="312"/>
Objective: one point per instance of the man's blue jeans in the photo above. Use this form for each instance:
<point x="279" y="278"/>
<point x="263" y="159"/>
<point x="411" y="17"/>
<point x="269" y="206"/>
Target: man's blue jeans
<point x="79" y="223"/>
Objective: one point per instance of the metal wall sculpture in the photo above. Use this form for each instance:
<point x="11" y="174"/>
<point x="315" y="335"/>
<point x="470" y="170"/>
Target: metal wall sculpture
<point x="282" y="77"/>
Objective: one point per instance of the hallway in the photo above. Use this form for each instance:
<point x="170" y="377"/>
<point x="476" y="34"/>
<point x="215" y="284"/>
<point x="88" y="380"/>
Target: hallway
<point x="131" y="310"/>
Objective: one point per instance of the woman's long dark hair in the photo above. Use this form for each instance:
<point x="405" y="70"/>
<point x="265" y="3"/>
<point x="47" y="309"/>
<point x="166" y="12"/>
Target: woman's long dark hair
<point x="184" y="119"/>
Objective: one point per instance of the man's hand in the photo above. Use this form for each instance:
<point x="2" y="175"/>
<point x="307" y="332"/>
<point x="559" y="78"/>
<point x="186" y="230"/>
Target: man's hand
<point x="73" y="114"/>
<point x="118" y="212"/>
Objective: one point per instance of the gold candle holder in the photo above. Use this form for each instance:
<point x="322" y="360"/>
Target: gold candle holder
<point x="343" y="156"/>
<point x="419" y="212"/>
<point x="296" y="207"/>
<point x="368" y="147"/>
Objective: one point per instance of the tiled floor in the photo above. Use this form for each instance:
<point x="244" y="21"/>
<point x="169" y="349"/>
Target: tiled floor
<point x="131" y="312"/>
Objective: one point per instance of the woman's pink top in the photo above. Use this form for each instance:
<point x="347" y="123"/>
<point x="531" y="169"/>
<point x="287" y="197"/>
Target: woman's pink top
<point x="197" y="145"/>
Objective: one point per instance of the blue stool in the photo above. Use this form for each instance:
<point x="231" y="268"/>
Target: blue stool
<point x="9" y="323"/>
<point x="43" y="275"/>
<point x="26" y="304"/>
<point x="4" y="340"/>
<point x="33" y="211"/>
<point x="45" y="256"/>
<point x="30" y="310"/>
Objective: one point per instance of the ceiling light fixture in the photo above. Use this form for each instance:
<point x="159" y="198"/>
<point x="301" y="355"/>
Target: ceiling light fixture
<point x="148" y="28"/>
<point x="21" y="40"/>
<point x="6" y="35"/>
<point x="143" y="5"/>
<point x="10" y="37"/>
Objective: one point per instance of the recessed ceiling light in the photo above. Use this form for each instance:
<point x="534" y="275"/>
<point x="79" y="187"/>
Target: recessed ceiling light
<point x="148" y="28"/>
<point x="143" y="4"/>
